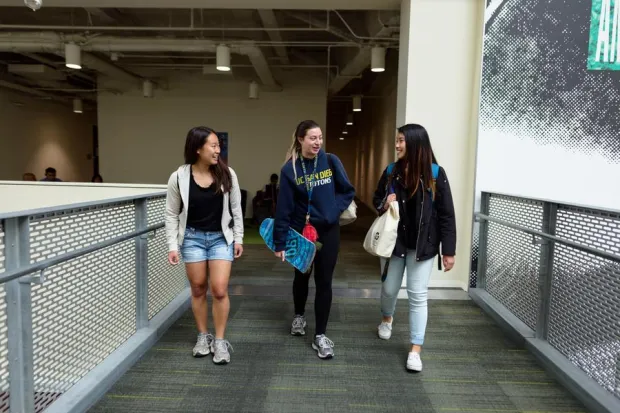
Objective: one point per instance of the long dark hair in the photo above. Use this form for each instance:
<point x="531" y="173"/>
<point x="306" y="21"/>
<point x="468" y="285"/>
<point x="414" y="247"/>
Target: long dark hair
<point x="196" y="138"/>
<point x="294" y="151"/>
<point x="417" y="163"/>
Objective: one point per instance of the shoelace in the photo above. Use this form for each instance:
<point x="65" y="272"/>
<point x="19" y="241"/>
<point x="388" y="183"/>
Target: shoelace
<point x="324" y="342"/>
<point x="298" y="322"/>
<point x="223" y="345"/>
<point x="205" y="339"/>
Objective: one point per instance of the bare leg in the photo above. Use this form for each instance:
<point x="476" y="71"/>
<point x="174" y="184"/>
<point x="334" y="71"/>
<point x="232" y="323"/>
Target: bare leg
<point x="197" y="275"/>
<point x="219" y="273"/>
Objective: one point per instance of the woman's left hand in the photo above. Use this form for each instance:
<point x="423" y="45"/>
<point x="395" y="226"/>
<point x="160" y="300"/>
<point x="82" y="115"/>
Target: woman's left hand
<point x="448" y="263"/>
<point x="238" y="250"/>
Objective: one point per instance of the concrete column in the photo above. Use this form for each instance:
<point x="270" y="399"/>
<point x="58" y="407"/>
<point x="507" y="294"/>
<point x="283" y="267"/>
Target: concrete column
<point x="438" y="87"/>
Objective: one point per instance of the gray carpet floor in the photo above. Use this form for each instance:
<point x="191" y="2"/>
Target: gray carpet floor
<point x="469" y="365"/>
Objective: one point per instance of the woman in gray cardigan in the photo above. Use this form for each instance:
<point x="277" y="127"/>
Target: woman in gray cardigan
<point x="205" y="223"/>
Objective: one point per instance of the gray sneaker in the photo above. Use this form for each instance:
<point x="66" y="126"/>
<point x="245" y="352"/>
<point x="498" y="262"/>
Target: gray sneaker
<point x="299" y="326"/>
<point x="324" y="347"/>
<point x="220" y="351"/>
<point x="203" y="345"/>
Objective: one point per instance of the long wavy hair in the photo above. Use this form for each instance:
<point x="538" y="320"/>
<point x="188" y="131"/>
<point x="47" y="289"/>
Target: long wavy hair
<point x="196" y="138"/>
<point x="417" y="163"/>
<point x="294" y="152"/>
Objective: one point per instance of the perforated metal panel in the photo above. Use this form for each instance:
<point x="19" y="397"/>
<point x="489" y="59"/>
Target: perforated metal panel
<point x="85" y="310"/>
<point x="512" y="260"/>
<point x="165" y="281"/>
<point x="4" y="349"/>
<point x="56" y="233"/>
<point x="473" y="266"/>
<point x="584" y="319"/>
<point x="155" y="208"/>
<point x="1" y="246"/>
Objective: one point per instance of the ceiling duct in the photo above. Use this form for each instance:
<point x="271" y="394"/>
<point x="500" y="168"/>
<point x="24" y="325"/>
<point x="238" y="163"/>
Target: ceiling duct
<point x="54" y="43"/>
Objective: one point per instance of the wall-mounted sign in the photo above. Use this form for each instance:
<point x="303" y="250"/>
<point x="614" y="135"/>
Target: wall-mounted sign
<point x="604" y="46"/>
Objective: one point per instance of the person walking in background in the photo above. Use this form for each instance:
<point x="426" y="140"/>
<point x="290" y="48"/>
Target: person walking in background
<point x="205" y="222"/>
<point x="314" y="191"/>
<point x="50" y="175"/>
<point x="427" y="220"/>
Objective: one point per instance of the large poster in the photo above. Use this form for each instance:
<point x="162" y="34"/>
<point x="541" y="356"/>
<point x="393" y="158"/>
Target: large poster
<point x="604" y="45"/>
<point x="549" y="126"/>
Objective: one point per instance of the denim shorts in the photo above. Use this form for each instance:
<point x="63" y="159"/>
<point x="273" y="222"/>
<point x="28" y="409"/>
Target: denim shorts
<point x="201" y="246"/>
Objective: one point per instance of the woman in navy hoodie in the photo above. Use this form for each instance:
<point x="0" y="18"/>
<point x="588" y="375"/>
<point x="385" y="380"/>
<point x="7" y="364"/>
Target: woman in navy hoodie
<point x="314" y="191"/>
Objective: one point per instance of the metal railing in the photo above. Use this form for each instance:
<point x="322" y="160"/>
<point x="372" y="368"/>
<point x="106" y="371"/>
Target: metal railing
<point x="80" y="285"/>
<point x="550" y="273"/>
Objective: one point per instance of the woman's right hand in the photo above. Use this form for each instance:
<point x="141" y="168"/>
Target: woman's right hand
<point x="281" y="255"/>
<point x="391" y="198"/>
<point x="173" y="257"/>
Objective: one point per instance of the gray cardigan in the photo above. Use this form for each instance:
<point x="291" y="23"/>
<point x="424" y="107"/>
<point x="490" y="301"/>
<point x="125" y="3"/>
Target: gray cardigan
<point x="176" y="219"/>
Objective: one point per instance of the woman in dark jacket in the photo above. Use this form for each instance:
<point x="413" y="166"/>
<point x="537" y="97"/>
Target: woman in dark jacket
<point x="426" y="209"/>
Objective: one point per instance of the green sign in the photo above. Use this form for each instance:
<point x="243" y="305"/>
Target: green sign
<point x="604" y="47"/>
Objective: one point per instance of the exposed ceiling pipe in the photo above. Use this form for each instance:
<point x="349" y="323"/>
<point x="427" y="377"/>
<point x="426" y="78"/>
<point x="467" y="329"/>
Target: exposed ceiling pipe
<point x="30" y="91"/>
<point x="55" y="65"/>
<point x="108" y="68"/>
<point x="268" y="17"/>
<point x="319" y="23"/>
<point x="52" y="42"/>
<point x="391" y="39"/>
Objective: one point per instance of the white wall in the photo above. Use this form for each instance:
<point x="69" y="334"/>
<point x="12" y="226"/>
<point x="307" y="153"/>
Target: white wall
<point x="141" y="140"/>
<point x="26" y="196"/>
<point x="439" y="86"/>
<point x="40" y="134"/>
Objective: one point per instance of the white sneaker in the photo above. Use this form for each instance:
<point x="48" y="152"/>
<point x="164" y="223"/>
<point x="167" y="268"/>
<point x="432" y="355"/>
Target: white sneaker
<point x="385" y="330"/>
<point x="413" y="362"/>
<point x="203" y="345"/>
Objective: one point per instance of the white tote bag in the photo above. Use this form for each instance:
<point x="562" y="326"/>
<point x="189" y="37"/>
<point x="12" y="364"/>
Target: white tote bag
<point x="381" y="237"/>
<point x="349" y="215"/>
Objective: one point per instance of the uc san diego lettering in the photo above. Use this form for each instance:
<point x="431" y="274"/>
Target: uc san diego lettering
<point x="604" y="45"/>
<point x="318" y="179"/>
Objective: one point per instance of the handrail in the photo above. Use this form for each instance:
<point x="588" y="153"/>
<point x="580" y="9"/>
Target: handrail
<point x="42" y="265"/>
<point x="68" y="207"/>
<point x="558" y="240"/>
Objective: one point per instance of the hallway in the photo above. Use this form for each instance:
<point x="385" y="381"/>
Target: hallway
<point x="469" y="365"/>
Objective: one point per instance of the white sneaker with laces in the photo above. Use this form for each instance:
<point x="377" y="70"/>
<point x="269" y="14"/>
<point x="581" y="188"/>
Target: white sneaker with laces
<point x="385" y="330"/>
<point x="414" y="363"/>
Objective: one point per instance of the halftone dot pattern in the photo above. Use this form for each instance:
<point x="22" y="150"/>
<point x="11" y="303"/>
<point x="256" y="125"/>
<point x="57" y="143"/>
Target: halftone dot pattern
<point x="535" y="82"/>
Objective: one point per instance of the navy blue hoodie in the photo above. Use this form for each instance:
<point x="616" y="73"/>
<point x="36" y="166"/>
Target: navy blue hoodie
<point x="331" y="195"/>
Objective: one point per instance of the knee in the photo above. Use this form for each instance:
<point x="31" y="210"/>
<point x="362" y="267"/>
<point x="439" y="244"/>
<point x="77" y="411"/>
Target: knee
<point x="199" y="290"/>
<point x="219" y="292"/>
<point x="418" y="298"/>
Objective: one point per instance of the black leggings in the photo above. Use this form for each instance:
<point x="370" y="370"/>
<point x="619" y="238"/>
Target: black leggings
<point x="324" y="265"/>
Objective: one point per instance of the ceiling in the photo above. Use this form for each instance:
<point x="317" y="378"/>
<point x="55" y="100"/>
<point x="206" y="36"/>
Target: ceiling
<point x="126" y="43"/>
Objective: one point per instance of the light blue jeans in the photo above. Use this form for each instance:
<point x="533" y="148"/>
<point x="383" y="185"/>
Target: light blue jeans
<point x="418" y="274"/>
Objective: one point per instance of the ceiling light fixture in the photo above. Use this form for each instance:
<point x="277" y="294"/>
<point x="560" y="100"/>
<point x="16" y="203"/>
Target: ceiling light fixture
<point x="34" y="5"/>
<point x="77" y="105"/>
<point x="253" y="90"/>
<point x="357" y="103"/>
<point x="222" y="55"/>
<point x="350" y="120"/>
<point x="377" y="59"/>
<point x="73" y="56"/>
<point x="147" y="89"/>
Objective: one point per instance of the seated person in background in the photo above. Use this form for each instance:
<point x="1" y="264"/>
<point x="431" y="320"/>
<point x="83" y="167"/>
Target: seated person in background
<point x="29" y="176"/>
<point x="264" y="203"/>
<point x="50" y="175"/>
<point x="97" y="178"/>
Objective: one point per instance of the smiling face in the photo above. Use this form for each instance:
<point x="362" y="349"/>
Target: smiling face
<point x="311" y="143"/>
<point x="209" y="153"/>
<point x="401" y="147"/>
